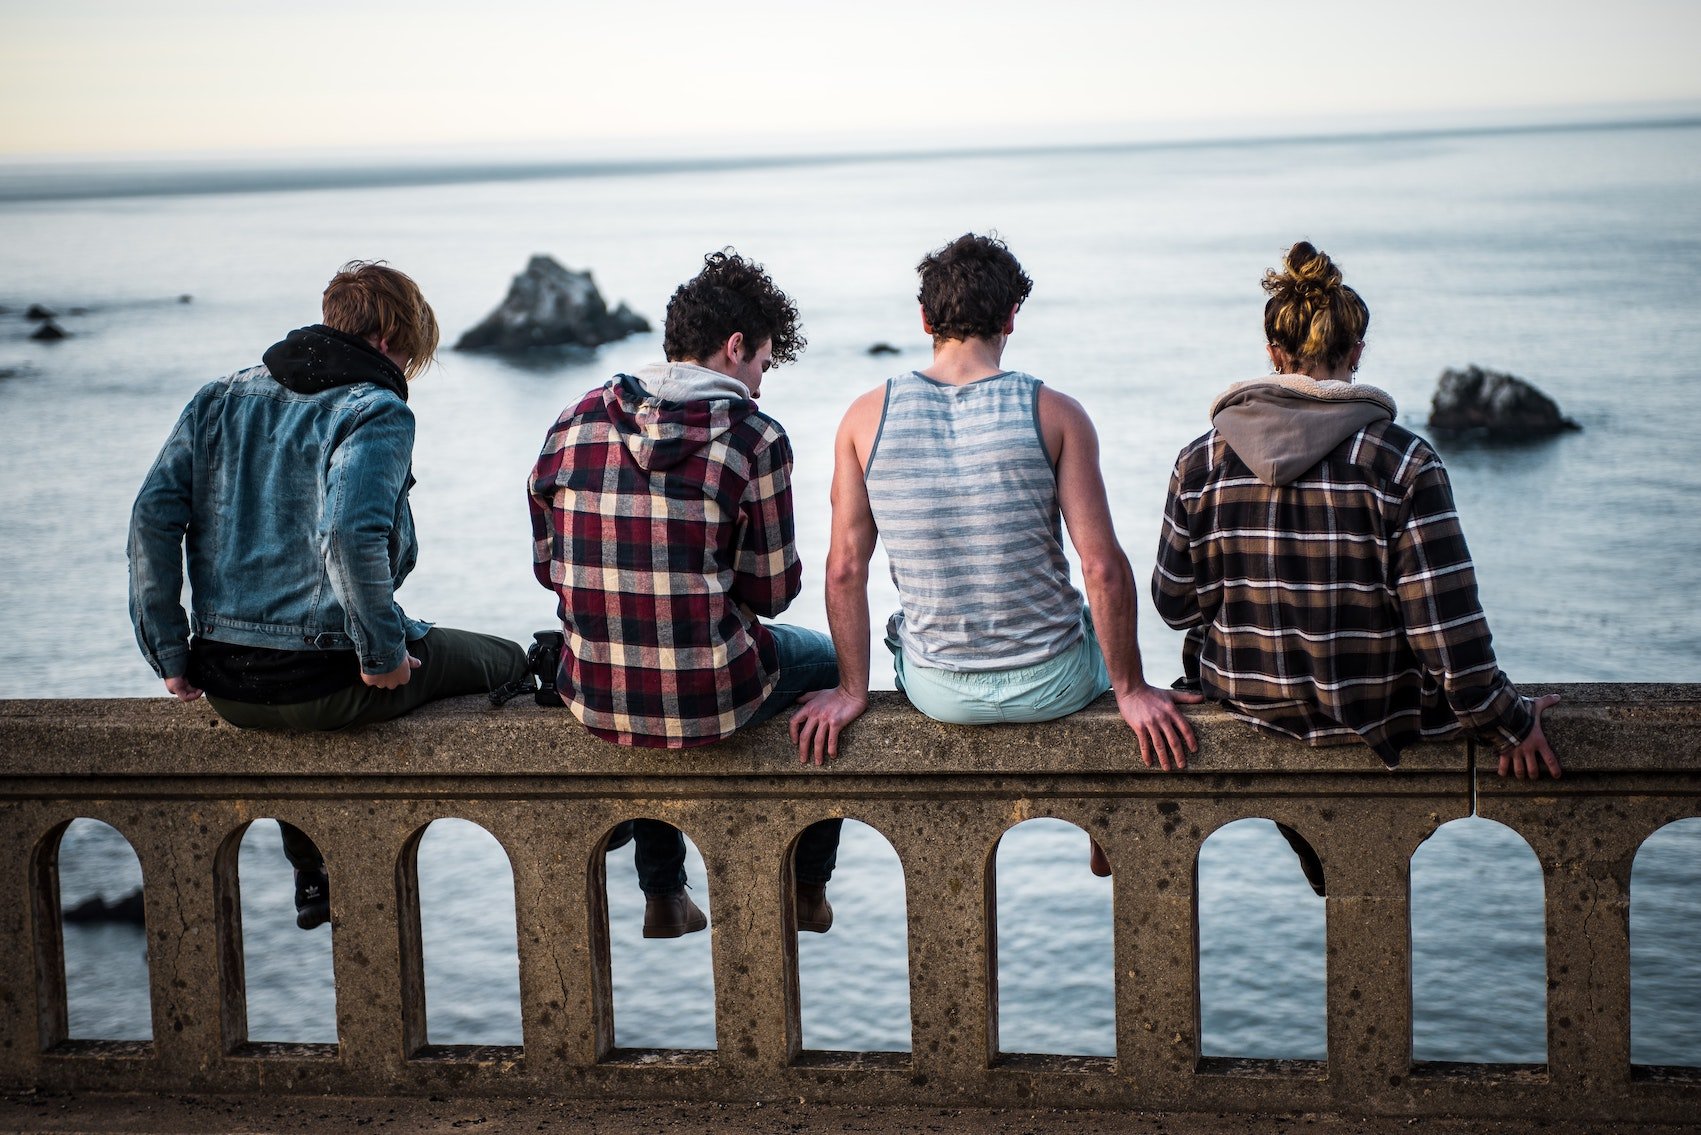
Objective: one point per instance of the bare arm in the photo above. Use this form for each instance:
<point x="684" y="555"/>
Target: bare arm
<point x="1109" y="582"/>
<point x="826" y="713"/>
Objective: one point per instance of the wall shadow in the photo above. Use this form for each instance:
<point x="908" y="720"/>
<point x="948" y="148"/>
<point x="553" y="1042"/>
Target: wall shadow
<point x="1665" y="948"/>
<point x="103" y="933"/>
<point x="290" y="989"/>
<point x="1056" y="965"/>
<point x="854" y="980"/>
<point x="1479" y="941"/>
<point x="1262" y="954"/>
<point x="469" y="946"/>
<point x="664" y="988"/>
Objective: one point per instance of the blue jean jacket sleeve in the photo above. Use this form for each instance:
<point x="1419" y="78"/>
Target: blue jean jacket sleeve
<point x="158" y="523"/>
<point x="363" y="492"/>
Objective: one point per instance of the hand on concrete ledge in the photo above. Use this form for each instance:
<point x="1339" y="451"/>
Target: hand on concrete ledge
<point x="815" y="728"/>
<point x="1151" y="713"/>
<point x="1520" y="759"/>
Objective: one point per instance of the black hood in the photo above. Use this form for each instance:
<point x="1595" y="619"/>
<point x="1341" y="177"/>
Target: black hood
<point x="318" y="358"/>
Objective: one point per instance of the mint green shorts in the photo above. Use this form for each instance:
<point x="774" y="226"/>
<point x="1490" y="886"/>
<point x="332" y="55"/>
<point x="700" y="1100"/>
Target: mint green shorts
<point x="1041" y="692"/>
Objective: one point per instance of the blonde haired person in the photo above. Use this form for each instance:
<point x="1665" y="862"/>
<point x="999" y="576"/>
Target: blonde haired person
<point x="1312" y="552"/>
<point x="287" y="486"/>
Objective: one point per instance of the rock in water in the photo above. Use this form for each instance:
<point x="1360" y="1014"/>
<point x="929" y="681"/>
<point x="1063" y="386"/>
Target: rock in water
<point x="1499" y="405"/>
<point x="883" y="348"/>
<point x="551" y="306"/>
<point x="49" y="332"/>
<point x="36" y="313"/>
<point x="96" y="909"/>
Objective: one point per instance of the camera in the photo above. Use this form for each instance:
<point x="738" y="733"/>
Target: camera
<point x="543" y="661"/>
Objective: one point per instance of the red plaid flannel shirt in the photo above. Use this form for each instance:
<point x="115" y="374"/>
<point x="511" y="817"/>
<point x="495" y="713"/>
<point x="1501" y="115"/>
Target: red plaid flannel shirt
<point x="666" y="529"/>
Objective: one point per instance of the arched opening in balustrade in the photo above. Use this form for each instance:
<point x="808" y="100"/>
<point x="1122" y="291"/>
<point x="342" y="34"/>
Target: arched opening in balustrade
<point x="92" y="935"/>
<point x="469" y="958"/>
<point x="1479" y="946"/>
<point x="281" y="973"/>
<point x="1665" y="960"/>
<point x="1055" y="943"/>
<point x="854" y="978"/>
<point x="1262" y="954"/>
<point x="663" y="988"/>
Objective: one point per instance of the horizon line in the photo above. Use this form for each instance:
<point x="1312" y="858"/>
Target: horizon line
<point x="189" y="177"/>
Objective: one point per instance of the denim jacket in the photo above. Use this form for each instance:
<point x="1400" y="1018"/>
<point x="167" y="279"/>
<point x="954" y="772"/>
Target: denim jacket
<point x="292" y="501"/>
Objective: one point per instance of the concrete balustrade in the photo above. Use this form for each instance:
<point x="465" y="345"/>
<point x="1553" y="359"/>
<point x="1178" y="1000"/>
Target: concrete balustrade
<point x="182" y="786"/>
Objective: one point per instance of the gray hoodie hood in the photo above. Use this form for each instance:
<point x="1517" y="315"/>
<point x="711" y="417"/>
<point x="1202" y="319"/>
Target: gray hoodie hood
<point x="1284" y="424"/>
<point x="669" y="411"/>
<point x="688" y="382"/>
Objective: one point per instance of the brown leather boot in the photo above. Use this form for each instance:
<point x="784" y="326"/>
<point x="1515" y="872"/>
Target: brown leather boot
<point x="814" y="912"/>
<point x="671" y="915"/>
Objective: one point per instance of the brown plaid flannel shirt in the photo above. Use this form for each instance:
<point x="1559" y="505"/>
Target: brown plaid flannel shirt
<point x="1342" y="605"/>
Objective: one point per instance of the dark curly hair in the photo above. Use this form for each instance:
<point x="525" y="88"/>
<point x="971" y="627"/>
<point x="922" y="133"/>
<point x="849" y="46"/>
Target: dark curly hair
<point x="730" y="294"/>
<point x="970" y="286"/>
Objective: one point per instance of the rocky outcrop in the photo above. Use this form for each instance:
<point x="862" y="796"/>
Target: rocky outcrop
<point x="883" y="348"/>
<point x="36" y="313"/>
<point x="97" y="909"/>
<point x="1498" y="405"/>
<point x="49" y="332"/>
<point x="552" y="306"/>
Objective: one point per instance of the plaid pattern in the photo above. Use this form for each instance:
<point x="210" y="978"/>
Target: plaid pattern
<point x="663" y="568"/>
<point x="1341" y="606"/>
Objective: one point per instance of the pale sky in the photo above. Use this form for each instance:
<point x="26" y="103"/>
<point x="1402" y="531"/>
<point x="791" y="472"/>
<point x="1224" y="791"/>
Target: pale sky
<point x="173" y="76"/>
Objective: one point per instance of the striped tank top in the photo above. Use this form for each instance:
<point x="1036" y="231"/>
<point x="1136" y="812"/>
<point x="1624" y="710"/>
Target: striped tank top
<point x="965" y="498"/>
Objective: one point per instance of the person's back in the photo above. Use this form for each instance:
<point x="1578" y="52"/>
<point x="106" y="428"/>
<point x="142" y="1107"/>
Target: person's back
<point x="285" y="486"/>
<point x="1310" y="584"/>
<point x="679" y="510"/>
<point x="662" y="519"/>
<point x="262" y="534"/>
<point x="970" y="472"/>
<point x="1312" y="551"/>
<point x="965" y="497"/>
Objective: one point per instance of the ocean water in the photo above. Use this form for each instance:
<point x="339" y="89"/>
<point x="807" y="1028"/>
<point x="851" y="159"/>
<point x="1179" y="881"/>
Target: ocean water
<point x="1570" y="258"/>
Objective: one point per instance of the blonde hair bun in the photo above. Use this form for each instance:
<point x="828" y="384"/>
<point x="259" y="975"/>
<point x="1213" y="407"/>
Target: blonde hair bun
<point x="1311" y="315"/>
<point x="1309" y="272"/>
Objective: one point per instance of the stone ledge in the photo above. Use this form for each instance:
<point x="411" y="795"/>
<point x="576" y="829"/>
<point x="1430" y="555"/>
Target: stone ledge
<point x="1598" y="728"/>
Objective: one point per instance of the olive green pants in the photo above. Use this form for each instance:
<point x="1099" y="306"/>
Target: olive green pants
<point x="452" y="663"/>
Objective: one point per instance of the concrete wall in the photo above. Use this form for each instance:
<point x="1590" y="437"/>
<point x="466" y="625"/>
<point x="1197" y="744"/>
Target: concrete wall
<point x="181" y="786"/>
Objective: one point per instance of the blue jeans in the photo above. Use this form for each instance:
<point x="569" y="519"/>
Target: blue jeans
<point x="807" y="662"/>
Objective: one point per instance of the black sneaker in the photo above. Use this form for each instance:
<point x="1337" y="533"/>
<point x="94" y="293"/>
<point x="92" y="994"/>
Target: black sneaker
<point x="312" y="898"/>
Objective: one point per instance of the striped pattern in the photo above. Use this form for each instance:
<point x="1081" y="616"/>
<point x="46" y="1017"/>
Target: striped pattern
<point x="1341" y="606"/>
<point x="662" y="572"/>
<point x="965" y="498"/>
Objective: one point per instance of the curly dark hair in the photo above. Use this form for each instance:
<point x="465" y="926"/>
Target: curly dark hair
<point x="970" y="286"/>
<point x="730" y="294"/>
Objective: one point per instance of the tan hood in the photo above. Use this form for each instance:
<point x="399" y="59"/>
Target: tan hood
<point x="1284" y="424"/>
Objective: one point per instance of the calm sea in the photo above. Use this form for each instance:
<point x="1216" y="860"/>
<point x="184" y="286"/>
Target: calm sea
<point x="1572" y="258"/>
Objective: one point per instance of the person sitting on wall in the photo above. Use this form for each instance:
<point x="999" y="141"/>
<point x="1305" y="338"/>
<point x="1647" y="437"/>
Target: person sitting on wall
<point x="662" y="517"/>
<point x="965" y="470"/>
<point x="1312" y="552"/>
<point x="288" y="483"/>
